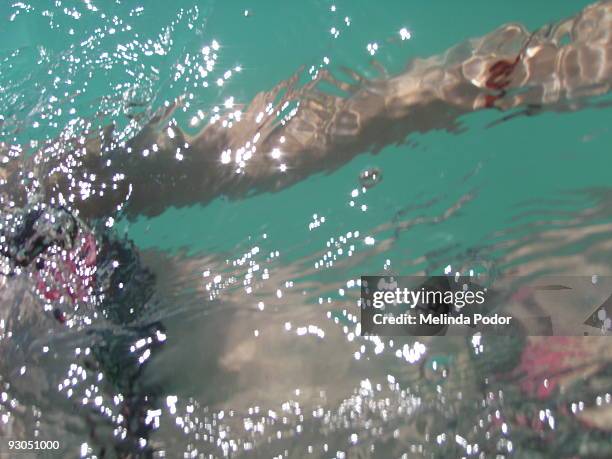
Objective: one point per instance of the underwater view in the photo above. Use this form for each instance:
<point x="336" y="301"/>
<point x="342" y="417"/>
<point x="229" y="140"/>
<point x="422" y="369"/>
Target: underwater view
<point x="202" y="202"/>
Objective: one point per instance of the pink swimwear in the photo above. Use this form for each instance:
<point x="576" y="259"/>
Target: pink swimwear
<point x="544" y="362"/>
<point x="69" y="274"/>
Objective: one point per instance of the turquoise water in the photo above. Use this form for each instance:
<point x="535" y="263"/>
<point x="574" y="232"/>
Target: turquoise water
<point x="528" y="194"/>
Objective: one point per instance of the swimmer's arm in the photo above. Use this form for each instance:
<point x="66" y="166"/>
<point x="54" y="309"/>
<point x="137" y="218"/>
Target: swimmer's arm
<point x="259" y="152"/>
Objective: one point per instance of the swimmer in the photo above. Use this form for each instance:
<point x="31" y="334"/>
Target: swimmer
<point x="87" y="179"/>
